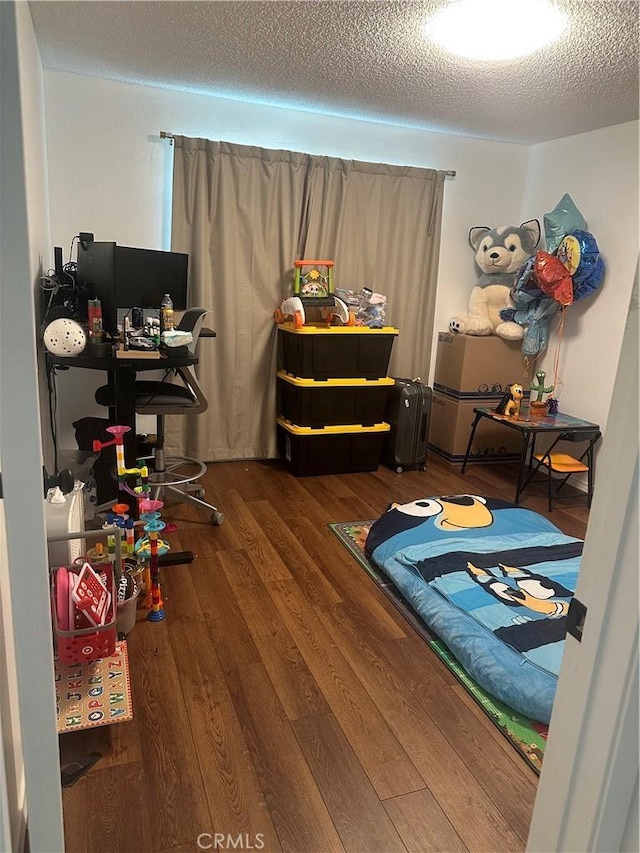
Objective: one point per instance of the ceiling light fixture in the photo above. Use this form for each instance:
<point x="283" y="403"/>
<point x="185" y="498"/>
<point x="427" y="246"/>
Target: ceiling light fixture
<point x="494" y="30"/>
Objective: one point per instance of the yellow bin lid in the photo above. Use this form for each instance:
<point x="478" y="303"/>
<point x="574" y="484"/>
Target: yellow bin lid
<point x="332" y="430"/>
<point x="311" y="329"/>
<point x="351" y="382"/>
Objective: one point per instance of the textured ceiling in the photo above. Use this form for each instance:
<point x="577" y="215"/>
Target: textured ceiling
<point x="358" y="59"/>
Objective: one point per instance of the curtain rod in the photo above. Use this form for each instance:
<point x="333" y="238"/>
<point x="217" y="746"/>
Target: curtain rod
<point x="164" y="134"/>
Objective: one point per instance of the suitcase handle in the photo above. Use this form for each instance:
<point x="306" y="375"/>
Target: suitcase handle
<point x="423" y="426"/>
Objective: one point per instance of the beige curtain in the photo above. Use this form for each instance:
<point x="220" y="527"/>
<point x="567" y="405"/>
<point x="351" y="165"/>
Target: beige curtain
<point x="244" y="214"/>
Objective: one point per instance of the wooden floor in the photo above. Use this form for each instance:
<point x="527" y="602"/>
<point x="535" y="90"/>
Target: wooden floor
<point x="285" y="704"/>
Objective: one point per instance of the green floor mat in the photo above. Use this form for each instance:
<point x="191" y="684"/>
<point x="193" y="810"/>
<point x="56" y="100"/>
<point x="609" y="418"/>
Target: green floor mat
<point x="527" y="736"/>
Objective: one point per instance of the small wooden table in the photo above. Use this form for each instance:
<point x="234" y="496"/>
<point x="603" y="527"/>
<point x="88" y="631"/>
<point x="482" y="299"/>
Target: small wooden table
<point x="529" y="427"/>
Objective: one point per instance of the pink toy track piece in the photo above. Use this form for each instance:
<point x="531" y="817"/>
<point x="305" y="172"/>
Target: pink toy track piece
<point x="147" y="505"/>
<point x="118" y="430"/>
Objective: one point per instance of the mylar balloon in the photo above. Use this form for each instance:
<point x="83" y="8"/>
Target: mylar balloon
<point x="526" y="284"/>
<point x="580" y="255"/>
<point x="562" y="220"/>
<point x="569" y="253"/>
<point x="552" y="277"/>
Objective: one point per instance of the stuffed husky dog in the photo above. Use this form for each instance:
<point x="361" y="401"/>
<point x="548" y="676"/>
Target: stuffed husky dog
<point x="500" y="253"/>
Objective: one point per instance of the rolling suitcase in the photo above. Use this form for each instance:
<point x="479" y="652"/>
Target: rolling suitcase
<point x="408" y="414"/>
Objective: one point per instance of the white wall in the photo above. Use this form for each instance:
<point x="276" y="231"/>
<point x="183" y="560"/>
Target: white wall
<point x="599" y="170"/>
<point x="27" y="695"/>
<point x="111" y="174"/>
<point x="32" y="98"/>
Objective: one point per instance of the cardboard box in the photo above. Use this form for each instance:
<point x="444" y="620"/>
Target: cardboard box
<point x="478" y="368"/>
<point x="450" y="428"/>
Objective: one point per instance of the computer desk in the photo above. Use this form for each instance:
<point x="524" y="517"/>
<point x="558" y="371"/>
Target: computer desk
<point x="122" y="375"/>
<point x="122" y="372"/>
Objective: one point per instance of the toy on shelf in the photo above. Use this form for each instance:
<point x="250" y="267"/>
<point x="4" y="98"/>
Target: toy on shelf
<point x="368" y="307"/>
<point x="294" y="307"/>
<point x="313" y="279"/>
<point x="509" y="405"/>
<point x="313" y="289"/>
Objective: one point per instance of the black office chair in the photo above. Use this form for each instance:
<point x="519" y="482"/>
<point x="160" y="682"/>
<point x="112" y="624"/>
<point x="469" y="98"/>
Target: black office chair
<point x="564" y="464"/>
<point x="174" y="476"/>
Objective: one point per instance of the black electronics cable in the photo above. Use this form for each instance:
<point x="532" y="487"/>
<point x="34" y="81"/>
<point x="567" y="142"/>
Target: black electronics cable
<point x="67" y="293"/>
<point x="53" y="410"/>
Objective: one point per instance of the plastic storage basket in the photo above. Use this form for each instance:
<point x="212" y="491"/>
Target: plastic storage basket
<point x="85" y="644"/>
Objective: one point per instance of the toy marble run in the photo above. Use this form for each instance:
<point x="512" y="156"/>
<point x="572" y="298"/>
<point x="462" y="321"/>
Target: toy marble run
<point x="118" y="433"/>
<point x="149" y="547"/>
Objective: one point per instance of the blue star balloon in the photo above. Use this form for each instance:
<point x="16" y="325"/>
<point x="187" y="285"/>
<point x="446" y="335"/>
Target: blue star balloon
<point x="562" y="220"/>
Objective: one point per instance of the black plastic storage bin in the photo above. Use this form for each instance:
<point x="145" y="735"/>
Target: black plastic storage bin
<point x="328" y="402"/>
<point x="332" y="352"/>
<point x="341" y="449"/>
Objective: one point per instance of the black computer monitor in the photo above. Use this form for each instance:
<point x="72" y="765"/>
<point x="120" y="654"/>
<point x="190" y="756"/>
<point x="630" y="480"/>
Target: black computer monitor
<point x="122" y="277"/>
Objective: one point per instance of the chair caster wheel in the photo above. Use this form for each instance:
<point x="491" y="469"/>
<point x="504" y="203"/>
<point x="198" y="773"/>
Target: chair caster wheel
<point x="217" y="518"/>
<point x="199" y="494"/>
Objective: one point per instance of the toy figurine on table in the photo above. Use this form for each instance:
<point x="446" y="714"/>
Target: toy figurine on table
<point x="509" y="405"/>
<point x="539" y="386"/>
<point x="539" y="407"/>
<point x="313" y="289"/>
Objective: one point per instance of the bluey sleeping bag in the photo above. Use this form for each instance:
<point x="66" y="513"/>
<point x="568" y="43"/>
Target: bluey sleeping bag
<point x="493" y="580"/>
